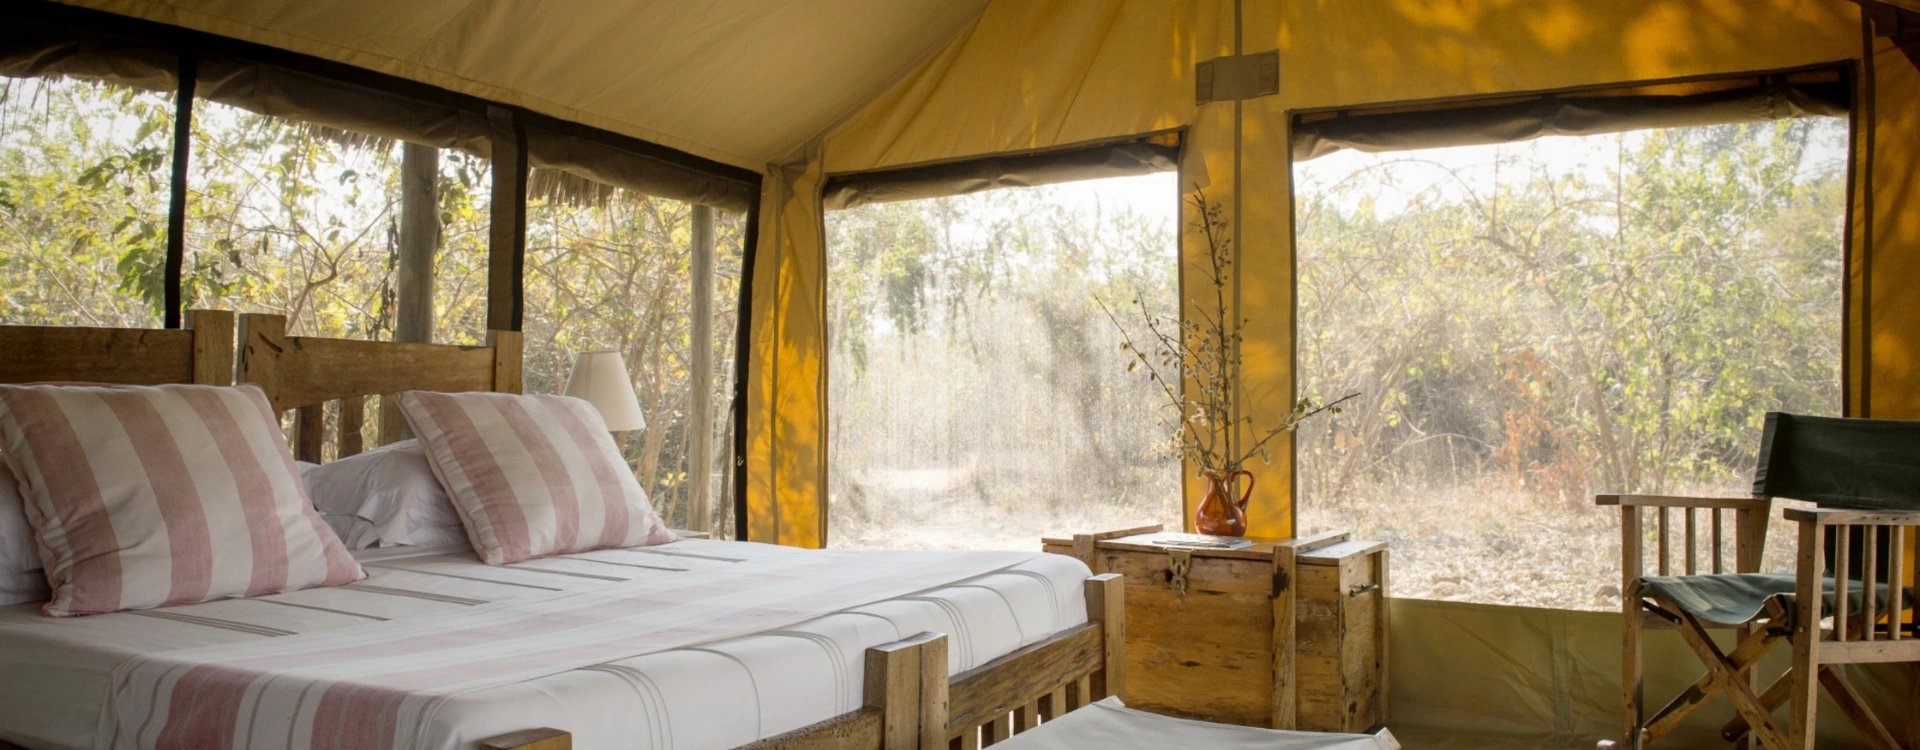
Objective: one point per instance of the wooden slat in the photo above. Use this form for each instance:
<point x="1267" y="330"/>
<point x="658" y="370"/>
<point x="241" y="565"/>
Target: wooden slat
<point x="976" y="695"/>
<point x="1830" y="517"/>
<point x="212" y="346"/>
<point x="1079" y="693"/>
<point x="1669" y="501"/>
<point x="1665" y="551"/>
<point x="997" y="730"/>
<point x="506" y="361"/>
<point x="1750" y="538"/>
<point x="309" y="432"/>
<point x="1870" y="577"/>
<point x="1106" y="597"/>
<point x="1842" y="562"/>
<point x="1026" y="717"/>
<point x="1693" y="567"/>
<point x="317" y="370"/>
<point x="1632" y="561"/>
<point x="893" y="687"/>
<point x="933" y="694"/>
<point x="1897" y="585"/>
<point x="1285" y="591"/>
<point x="393" y="425"/>
<point x="1719" y="539"/>
<point x="121" y="356"/>
<point x="1864" y="652"/>
<point x="530" y="739"/>
<point x="858" y="729"/>
<point x="353" y="416"/>
<point x="1804" y="702"/>
<point x="263" y="338"/>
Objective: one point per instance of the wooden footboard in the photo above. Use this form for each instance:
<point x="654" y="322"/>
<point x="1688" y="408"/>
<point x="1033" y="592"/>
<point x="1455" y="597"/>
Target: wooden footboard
<point x="912" y="705"/>
<point x="1020" y="690"/>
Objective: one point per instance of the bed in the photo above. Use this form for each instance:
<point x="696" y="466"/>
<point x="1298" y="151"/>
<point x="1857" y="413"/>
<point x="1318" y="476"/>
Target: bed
<point x="942" y="651"/>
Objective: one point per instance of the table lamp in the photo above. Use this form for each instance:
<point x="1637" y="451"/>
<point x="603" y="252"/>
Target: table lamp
<point x="601" y="379"/>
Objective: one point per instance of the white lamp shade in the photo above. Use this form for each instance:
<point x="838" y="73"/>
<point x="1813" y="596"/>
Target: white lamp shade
<point x="601" y="379"/>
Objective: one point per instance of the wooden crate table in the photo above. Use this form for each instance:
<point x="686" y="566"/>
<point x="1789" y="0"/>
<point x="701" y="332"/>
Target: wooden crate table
<point x="1287" y="633"/>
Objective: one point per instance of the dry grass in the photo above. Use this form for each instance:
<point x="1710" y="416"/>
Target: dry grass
<point x="1490" y="541"/>
<point x="1493" y="541"/>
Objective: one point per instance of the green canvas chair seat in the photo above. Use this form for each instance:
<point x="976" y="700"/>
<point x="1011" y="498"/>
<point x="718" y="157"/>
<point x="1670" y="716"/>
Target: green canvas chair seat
<point x="1737" y="599"/>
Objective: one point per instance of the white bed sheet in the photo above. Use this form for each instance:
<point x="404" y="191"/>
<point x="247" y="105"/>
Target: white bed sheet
<point x="57" y="672"/>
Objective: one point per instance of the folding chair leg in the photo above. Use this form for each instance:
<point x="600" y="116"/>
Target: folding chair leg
<point x="1913" y="699"/>
<point x="1631" y="674"/>
<point x="1730" y="680"/>
<point x="1776" y="694"/>
<point x="1752" y="646"/>
<point x="1856" y="709"/>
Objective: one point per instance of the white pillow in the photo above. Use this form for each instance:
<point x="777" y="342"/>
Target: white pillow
<point x="21" y="577"/>
<point x="384" y="497"/>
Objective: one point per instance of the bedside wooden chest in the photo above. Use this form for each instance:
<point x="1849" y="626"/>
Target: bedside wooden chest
<point x="1289" y="634"/>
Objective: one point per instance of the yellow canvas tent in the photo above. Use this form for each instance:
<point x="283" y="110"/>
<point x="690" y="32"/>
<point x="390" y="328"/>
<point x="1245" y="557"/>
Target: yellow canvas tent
<point x="808" y="92"/>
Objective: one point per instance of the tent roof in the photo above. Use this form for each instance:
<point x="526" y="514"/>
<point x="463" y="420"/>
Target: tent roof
<point x="743" y="81"/>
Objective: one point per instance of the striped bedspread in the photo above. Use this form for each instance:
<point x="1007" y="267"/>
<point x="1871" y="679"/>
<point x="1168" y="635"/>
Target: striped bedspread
<point x="693" y="644"/>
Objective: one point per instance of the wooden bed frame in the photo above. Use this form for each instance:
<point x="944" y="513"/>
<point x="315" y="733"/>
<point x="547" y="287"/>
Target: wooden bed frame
<point x="306" y="373"/>
<point x="200" y="353"/>
<point x="911" y="701"/>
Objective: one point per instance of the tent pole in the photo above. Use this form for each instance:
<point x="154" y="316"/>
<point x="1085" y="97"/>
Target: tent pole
<point x="700" y="375"/>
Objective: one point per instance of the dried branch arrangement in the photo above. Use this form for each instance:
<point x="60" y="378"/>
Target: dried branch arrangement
<point x="1204" y="346"/>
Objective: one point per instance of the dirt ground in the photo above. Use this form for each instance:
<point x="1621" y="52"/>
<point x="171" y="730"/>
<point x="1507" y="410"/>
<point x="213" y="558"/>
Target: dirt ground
<point x="1490" y="542"/>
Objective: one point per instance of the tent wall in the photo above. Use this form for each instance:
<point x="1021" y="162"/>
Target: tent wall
<point x="1028" y="76"/>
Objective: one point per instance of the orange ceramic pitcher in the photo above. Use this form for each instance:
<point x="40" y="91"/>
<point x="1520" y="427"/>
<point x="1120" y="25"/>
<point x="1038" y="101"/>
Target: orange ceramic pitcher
<point x="1219" y="514"/>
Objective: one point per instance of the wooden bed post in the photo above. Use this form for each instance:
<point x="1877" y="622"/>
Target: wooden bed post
<point x="1106" y="604"/>
<point x="212" y="346"/>
<point x="507" y="376"/>
<point x="933" y="692"/>
<point x="262" y="339"/>
<point x="895" y="681"/>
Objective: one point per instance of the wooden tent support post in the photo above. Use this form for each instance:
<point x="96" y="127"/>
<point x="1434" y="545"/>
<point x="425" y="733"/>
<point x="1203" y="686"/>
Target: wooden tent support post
<point x="700" y="371"/>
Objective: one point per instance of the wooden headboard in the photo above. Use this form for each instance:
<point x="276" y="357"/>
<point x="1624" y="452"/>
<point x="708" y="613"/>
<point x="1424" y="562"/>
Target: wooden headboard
<point x="200" y="353"/>
<point x="305" y="373"/>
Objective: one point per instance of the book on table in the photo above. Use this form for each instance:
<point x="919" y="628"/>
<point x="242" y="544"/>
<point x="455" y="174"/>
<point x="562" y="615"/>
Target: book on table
<point x="1202" y="541"/>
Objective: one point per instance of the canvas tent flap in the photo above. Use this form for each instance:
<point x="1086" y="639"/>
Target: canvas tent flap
<point x="1091" y="162"/>
<point x="1556" y="114"/>
<point x="305" y="97"/>
<point x="26" y="54"/>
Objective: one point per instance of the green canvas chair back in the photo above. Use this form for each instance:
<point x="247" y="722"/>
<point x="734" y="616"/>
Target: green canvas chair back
<point x="1851" y="464"/>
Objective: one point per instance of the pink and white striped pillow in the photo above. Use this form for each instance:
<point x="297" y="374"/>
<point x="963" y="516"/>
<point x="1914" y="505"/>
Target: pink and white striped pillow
<point x="152" y="496"/>
<point x="532" y="475"/>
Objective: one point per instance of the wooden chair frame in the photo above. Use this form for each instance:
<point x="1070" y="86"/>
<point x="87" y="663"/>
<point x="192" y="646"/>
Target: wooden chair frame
<point x="1862" y="639"/>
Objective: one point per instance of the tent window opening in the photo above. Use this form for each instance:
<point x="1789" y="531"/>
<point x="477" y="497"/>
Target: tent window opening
<point x="1534" y="323"/>
<point x="977" y="394"/>
<point x="651" y="278"/>
<point x="306" y="221"/>
<point x="84" y="184"/>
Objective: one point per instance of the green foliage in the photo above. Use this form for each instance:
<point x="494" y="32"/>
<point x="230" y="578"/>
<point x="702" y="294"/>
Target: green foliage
<point x="1621" y="325"/>
<point x="299" y="220"/>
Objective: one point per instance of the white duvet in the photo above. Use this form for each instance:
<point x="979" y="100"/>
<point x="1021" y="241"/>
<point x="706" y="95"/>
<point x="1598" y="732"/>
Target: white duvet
<point x="711" y="694"/>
